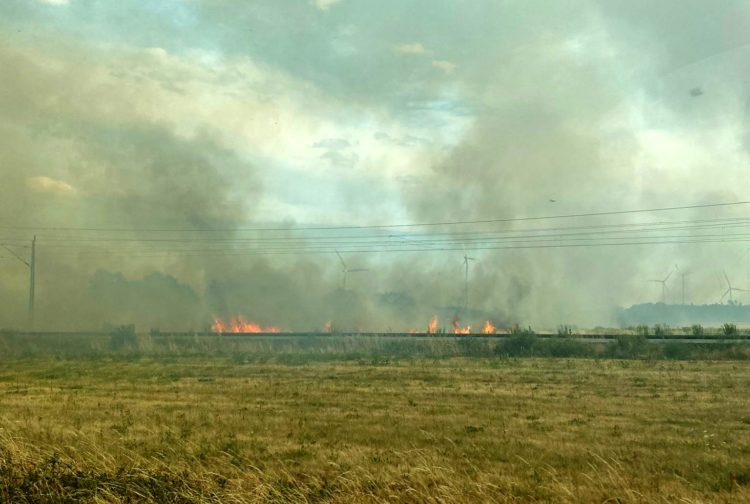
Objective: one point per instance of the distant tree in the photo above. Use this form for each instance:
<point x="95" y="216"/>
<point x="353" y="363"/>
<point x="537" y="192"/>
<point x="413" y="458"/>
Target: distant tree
<point x="521" y="331"/>
<point x="564" y="330"/>
<point x="642" y="330"/>
<point x="729" y="329"/>
<point x="697" y="330"/>
<point x="661" y="330"/>
<point x="123" y="336"/>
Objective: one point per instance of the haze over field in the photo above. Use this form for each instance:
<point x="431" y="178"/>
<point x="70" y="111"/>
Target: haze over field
<point x="141" y="140"/>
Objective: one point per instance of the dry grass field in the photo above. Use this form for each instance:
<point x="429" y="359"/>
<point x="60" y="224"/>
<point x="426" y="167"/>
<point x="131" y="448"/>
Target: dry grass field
<point x="215" y="429"/>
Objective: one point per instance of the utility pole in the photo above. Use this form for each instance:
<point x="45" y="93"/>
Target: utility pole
<point x="466" y="284"/>
<point x="32" y="273"/>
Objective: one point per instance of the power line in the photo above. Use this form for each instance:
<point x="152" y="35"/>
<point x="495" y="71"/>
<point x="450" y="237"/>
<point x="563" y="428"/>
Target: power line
<point x="724" y="223"/>
<point x="379" y="226"/>
<point x="301" y="244"/>
<point x="743" y="238"/>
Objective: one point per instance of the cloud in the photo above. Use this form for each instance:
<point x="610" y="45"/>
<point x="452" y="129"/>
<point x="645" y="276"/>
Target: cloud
<point x="324" y="5"/>
<point x="55" y="2"/>
<point x="338" y="152"/>
<point x="332" y="143"/>
<point x="445" y="66"/>
<point x="415" y="48"/>
<point x="407" y="140"/>
<point x="49" y="185"/>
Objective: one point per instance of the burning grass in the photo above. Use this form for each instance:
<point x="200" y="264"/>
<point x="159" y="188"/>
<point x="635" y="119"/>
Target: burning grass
<point x="211" y="429"/>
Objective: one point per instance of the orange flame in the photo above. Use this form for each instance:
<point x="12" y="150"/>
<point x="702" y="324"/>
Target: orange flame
<point x="458" y="329"/>
<point x="489" y="328"/>
<point x="328" y="326"/>
<point x="239" y="325"/>
<point x="432" y="326"/>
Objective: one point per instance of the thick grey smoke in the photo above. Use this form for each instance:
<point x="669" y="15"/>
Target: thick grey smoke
<point x="561" y="111"/>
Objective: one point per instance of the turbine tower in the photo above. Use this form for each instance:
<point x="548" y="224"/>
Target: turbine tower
<point x="683" y="274"/>
<point x="664" y="288"/>
<point x="345" y="270"/>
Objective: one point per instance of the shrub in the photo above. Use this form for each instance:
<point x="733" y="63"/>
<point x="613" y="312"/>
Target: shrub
<point x="729" y="329"/>
<point x="564" y="330"/>
<point x="676" y="350"/>
<point x="521" y="344"/>
<point x="627" y="347"/>
<point x="661" y="330"/>
<point x="473" y="347"/>
<point x="521" y="331"/>
<point x="697" y="330"/>
<point x="570" y="348"/>
<point x="123" y="336"/>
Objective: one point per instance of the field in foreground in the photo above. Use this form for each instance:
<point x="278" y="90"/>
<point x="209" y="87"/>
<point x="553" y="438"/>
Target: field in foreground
<point x="189" y="429"/>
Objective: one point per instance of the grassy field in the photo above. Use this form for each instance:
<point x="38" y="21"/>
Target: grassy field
<point x="219" y="429"/>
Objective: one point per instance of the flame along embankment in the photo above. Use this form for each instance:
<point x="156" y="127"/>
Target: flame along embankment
<point x="238" y="325"/>
<point x="456" y="328"/>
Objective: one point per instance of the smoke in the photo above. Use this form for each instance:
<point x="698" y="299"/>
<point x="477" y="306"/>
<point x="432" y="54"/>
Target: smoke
<point x="545" y="111"/>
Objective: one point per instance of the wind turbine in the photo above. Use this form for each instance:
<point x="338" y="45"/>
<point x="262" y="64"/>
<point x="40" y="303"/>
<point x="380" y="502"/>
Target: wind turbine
<point x="466" y="281"/>
<point x="345" y="270"/>
<point x="730" y="290"/>
<point x="683" y="274"/>
<point x="664" y="288"/>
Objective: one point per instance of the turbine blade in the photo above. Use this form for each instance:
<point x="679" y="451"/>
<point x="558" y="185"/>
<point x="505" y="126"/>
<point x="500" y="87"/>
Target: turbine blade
<point x="727" y="279"/>
<point x="340" y="258"/>
<point x="670" y="274"/>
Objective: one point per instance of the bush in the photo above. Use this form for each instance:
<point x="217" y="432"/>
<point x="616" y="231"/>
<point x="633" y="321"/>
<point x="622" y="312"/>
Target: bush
<point x="123" y="336"/>
<point x="564" y="330"/>
<point x="521" y="331"/>
<point x="676" y="350"/>
<point x="570" y="348"/>
<point x="641" y="330"/>
<point x="627" y="347"/>
<point x="729" y="329"/>
<point x="697" y="330"/>
<point x="473" y="347"/>
<point x="661" y="330"/>
<point x="521" y="344"/>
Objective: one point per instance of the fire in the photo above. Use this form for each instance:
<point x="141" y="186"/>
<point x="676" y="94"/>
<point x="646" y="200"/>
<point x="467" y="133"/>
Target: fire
<point x="328" y="326"/>
<point x="432" y="326"/>
<point x="458" y="329"/>
<point x="489" y="328"/>
<point x="239" y="325"/>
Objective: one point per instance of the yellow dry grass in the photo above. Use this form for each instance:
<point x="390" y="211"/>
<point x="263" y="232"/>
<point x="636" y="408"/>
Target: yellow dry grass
<point x="210" y="429"/>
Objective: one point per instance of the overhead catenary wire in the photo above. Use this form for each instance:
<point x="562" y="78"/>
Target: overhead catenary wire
<point x="380" y="226"/>
<point x="379" y="238"/>
<point x="425" y="237"/>
<point x="744" y="238"/>
<point x="725" y="223"/>
<point x="425" y="241"/>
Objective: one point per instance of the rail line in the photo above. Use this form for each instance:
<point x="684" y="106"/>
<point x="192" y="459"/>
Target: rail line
<point x="585" y="338"/>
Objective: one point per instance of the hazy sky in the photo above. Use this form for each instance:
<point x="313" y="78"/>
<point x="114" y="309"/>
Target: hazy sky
<point x="199" y="113"/>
